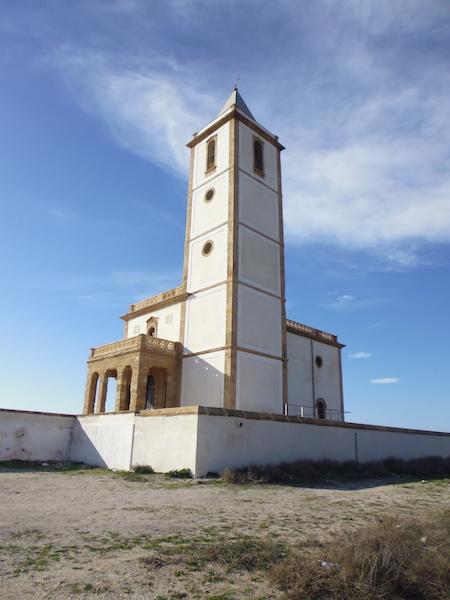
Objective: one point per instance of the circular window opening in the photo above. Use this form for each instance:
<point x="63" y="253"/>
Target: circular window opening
<point x="207" y="248"/>
<point x="209" y="195"/>
<point x="319" y="361"/>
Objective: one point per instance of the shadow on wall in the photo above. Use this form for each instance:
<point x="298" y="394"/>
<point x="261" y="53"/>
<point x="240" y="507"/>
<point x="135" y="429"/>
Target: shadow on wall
<point x="103" y="440"/>
<point x="202" y="374"/>
<point x="83" y="450"/>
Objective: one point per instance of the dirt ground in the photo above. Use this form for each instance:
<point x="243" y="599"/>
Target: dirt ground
<point x="95" y="534"/>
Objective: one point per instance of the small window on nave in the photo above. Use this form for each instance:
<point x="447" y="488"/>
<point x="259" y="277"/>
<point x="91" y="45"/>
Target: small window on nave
<point x="258" y="156"/>
<point x="211" y="155"/>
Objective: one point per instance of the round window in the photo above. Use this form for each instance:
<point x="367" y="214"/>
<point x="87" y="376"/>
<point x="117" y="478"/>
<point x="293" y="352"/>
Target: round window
<point x="209" y="195"/>
<point x="319" y="361"/>
<point x="207" y="248"/>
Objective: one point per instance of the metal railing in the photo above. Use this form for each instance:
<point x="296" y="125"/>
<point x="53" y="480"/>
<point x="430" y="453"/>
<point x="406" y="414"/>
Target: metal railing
<point x="310" y="412"/>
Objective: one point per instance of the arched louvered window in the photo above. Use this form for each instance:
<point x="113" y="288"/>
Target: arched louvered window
<point x="211" y="155"/>
<point x="258" y="156"/>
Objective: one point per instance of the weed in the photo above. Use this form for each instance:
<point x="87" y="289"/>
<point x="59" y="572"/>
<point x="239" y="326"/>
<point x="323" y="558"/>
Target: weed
<point x="144" y="469"/>
<point x="405" y="559"/>
<point x="180" y="474"/>
<point x="308" y="470"/>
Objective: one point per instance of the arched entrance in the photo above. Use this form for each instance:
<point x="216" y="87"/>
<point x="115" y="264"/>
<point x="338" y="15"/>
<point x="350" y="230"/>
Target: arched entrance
<point x="156" y="389"/>
<point x="321" y="409"/>
<point x="150" y="393"/>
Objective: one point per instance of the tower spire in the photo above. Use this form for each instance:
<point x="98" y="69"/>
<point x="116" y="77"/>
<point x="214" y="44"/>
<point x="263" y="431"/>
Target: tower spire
<point x="235" y="99"/>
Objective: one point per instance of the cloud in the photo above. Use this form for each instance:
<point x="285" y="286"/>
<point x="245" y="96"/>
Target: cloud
<point x="385" y="380"/>
<point x="350" y="303"/>
<point x="150" y="109"/>
<point x="360" y="355"/>
<point x="365" y="113"/>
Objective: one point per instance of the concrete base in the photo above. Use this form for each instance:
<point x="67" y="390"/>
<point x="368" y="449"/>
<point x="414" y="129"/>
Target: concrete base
<point x="204" y="439"/>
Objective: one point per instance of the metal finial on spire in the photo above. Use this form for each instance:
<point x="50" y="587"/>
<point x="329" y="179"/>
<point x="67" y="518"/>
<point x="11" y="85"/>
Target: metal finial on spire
<point x="238" y="81"/>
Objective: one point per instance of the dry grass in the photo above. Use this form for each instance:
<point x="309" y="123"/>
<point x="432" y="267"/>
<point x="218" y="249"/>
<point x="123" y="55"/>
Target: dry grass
<point x="394" y="559"/>
<point x="308" y="470"/>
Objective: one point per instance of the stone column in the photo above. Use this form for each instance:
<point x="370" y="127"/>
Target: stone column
<point x="101" y="396"/>
<point x="121" y="390"/>
<point x="138" y="389"/>
<point x="173" y="387"/>
<point x="90" y="392"/>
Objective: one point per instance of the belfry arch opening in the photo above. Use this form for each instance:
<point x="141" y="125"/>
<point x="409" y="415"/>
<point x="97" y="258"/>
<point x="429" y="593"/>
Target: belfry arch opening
<point x="211" y="155"/>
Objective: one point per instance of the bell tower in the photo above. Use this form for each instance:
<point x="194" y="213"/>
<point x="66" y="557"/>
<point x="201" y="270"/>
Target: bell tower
<point x="233" y="323"/>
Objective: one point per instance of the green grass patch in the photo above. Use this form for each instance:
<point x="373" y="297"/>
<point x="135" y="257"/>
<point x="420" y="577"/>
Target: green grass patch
<point x="180" y="474"/>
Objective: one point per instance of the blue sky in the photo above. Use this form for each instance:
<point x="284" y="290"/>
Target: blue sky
<point x="97" y="101"/>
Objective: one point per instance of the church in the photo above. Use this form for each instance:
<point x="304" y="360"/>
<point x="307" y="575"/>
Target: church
<point x="222" y="339"/>
<point x="212" y="374"/>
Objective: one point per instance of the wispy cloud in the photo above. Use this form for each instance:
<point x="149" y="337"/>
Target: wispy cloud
<point x="367" y="162"/>
<point x="350" y="303"/>
<point x="358" y="355"/>
<point x="385" y="380"/>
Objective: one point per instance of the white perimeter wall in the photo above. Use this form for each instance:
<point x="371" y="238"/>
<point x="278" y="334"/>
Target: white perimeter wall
<point x="34" y="436"/>
<point x="166" y="443"/>
<point x="200" y="442"/>
<point x="233" y="442"/>
<point x="103" y="440"/>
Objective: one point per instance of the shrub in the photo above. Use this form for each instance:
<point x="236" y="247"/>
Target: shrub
<point x="180" y="474"/>
<point x="308" y="470"/>
<point x="404" y="559"/>
<point x="144" y="469"/>
<point x="245" y="553"/>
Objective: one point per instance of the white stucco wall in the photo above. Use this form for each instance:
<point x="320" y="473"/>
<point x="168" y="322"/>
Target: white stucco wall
<point x="166" y="443"/>
<point x="246" y="157"/>
<point x="34" y="436"/>
<point x="258" y="206"/>
<point x="203" y="379"/>
<point x="259" y="383"/>
<point x="200" y="442"/>
<point x="327" y="378"/>
<point x="205" y="320"/>
<point x="211" y="269"/>
<point x="103" y="440"/>
<point x="233" y="442"/>
<point x="208" y="215"/>
<point x="168" y="323"/>
<point x="307" y="382"/>
<point x="300" y="377"/>
<point x="259" y="261"/>
<point x="259" y="321"/>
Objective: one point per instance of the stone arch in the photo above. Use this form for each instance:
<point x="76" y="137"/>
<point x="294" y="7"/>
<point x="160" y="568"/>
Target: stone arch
<point x="156" y="388"/>
<point x="109" y="404"/>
